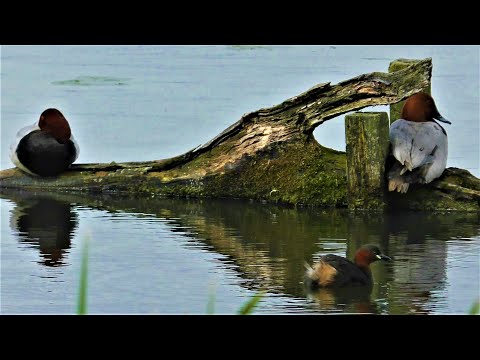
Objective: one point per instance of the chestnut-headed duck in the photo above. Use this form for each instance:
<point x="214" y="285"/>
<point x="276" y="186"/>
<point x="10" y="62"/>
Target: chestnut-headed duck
<point x="419" y="144"/>
<point x="332" y="271"/>
<point x="46" y="148"/>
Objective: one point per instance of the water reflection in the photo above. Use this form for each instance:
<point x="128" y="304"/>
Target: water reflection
<point x="46" y="224"/>
<point x="419" y="241"/>
<point x="347" y="300"/>
<point x="266" y="245"/>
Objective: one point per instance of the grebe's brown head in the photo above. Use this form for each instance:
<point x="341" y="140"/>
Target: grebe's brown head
<point x="368" y="254"/>
<point x="421" y="108"/>
<point x="53" y="122"/>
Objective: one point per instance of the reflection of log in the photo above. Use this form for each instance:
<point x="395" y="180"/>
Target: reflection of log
<point x="266" y="245"/>
<point x="268" y="154"/>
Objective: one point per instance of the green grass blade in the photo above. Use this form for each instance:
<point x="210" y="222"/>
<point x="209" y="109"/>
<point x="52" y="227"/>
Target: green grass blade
<point x="250" y="305"/>
<point x="211" y="302"/>
<point x="82" y="293"/>
<point x="475" y="309"/>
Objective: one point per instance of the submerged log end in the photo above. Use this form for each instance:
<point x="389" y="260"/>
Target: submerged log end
<point x="457" y="189"/>
<point x="309" y="175"/>
<point x="296" y="173"/>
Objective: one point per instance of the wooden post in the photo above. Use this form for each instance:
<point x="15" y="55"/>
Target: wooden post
<point x="399" y="64"/>
<point x="367" y="143"/>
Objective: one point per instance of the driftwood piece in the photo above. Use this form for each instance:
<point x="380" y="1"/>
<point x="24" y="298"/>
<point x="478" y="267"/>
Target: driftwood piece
<point x="269" y="154"/>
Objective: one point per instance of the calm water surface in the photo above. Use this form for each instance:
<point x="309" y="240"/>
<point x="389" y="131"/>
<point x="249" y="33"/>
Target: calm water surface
<point x="169" y="255"/>
<point x="128" y="103"/>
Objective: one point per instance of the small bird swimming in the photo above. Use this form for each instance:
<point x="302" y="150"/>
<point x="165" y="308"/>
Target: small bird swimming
<point x="419" y="144"/>
<point x="333" y="271"/>
<point x="46" y="148"/>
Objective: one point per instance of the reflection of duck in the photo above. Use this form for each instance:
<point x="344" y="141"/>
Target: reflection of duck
<point x="46" y="148"/>
<point x="336" y="271"/>
<point x="419" y="144"/>
<point x="346" y="299"/>
<point x="47" y="224"/>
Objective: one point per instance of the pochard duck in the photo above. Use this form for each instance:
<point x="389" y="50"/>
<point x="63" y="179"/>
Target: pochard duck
<point x="46" y="148"/>
<point x="419" y="144"/>
<point x="332" y="271"/>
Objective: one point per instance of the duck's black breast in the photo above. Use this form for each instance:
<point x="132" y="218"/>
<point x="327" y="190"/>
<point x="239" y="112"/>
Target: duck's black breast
<point x="348" y="274"/>
<point x="42" y="154"/>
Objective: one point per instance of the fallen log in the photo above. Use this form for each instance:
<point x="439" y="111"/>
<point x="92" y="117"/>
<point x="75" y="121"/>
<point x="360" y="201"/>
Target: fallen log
<point x="269" y="154"/>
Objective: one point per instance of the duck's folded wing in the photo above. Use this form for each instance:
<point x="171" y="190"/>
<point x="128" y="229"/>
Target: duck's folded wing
<point x="401" y="135"/>
<point x="77" y="148"/>
<point x="20" y="135"/>
<point x="347" y="271"/>
<point x="413" y="143"/>
<point x="426" y="143"/>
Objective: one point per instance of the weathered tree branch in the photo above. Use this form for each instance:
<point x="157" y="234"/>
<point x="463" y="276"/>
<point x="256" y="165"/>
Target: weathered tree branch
<point x="268" y="154"/>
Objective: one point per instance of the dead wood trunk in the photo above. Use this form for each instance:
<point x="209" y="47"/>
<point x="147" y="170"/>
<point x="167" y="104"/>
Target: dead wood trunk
<point x="367" y="145"/>
<point x="269" y="154"/>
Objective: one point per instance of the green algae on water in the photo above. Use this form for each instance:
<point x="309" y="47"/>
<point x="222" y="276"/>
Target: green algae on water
<point x="93" y="81"/>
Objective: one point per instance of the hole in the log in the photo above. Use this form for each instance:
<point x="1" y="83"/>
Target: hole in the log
<point x="331" y="133"/>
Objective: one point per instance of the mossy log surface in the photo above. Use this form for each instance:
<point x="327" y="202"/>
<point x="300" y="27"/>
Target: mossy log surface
<point x="367" y="143"/>
<point x="269" y="154"/>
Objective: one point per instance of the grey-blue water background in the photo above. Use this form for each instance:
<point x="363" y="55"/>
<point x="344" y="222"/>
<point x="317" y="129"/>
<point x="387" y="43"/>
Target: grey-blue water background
<point x="132" y="103"/>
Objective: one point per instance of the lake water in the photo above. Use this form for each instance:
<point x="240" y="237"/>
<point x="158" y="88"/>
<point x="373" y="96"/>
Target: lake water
<point x="132" y="103"/>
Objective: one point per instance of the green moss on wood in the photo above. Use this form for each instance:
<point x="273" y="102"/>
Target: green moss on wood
<point x="294" y="173"/>
<point x="367" y="145"/>
<point x="456" y="189"/>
